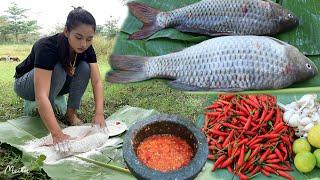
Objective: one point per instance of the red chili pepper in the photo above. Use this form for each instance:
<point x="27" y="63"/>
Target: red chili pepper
<point x="278" y="115"/>
<point x="228" y="139"/>
<point x="218" y="162"/>
<point x="248" y="123"/>
<point x="243" y="109"/>
<point x="269" y="169"/>
<point x="211" y="156"/>
<point x="278" y="167"/>
<point x="242" y="176"/>
<point x="269" y="136"/>
<point x="227" y="162"/>
<point x="218" y="132"/>
<point x="241" y="158"/>
<point x="231" y="126"/>
<point x="254" y="153"/>
<point x="230" y="169"/>
<point x="278" y="128"/>
<point x="254" y="142"/>
<point x="240" y="113"/>
<point x="252" y="103"/>
<point x="276" y="150"/>
<point x="264" y="155"/>
<point x="272" y="156"/>
<point x="254" y="99"/>
<point x="263" y="115"/>
<point x="243" y="141"/>
<point x="255" y="170"/>
<point x="269" y="116"/>
<point x="273" y="160"/>
<point x="286" y="175"/>
<point x="266" y="173"/>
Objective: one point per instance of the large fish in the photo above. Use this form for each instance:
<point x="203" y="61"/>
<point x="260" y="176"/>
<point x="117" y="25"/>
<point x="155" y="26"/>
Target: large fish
<point x="228" y="63"/>
<point x="84" y="139"/>
<point x="216" y="18"/>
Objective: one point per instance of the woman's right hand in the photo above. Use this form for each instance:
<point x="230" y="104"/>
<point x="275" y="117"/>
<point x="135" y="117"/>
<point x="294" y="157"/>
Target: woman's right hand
<point x="61" y="142"/>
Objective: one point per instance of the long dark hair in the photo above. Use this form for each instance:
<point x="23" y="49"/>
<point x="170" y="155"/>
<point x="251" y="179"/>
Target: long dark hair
<point x="75" y="18"/>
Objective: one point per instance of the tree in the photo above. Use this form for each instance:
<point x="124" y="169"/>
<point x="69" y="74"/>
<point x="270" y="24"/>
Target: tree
<point x="3" y="28"/>
<point x="111" y="29"/>
<point x="18" y="23"/>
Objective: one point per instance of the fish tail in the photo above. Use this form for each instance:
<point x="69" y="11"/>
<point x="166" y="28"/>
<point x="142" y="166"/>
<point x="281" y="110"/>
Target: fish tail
<point x="148" y="16"/>
<point x="127" y="69"/>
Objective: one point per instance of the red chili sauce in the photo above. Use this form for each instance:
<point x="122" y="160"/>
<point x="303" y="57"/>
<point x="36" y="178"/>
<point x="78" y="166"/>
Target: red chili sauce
<point x="164" y="152"/>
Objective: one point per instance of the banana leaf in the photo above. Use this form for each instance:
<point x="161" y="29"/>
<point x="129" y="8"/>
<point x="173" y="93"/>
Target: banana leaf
<point x="18" y="131"/>
<point x="306" y="37"/>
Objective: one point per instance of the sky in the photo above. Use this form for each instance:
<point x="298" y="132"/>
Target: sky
<point x="50" y="13"/>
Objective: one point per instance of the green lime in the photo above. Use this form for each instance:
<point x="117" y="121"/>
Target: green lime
<point x="313" y="136"/>
<point x="301" y="145"/>
<point x="316" y="153"/>
<point x="305" y="161"/>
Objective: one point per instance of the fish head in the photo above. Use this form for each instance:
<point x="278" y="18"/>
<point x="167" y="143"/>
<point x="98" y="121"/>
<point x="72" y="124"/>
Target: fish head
<point x="304" y="68"/>
<point x="284" y="17"/>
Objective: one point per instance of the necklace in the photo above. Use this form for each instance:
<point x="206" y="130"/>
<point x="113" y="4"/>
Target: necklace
<point x="73" y="68"/>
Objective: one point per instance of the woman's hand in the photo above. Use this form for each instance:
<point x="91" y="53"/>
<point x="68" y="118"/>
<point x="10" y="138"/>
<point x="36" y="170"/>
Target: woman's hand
<point x="61" y="142"/>
<point x="98" y="119"/>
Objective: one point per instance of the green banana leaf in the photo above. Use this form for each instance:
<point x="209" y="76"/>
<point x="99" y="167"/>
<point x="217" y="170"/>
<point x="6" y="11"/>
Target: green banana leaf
<point x="224" y="174"/>
<point x="306" y="37"/>
<point x="17" y="132"/>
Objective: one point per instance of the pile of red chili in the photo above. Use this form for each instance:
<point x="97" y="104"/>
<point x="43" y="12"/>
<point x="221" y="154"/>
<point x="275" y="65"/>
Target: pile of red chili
<point x="164" y="152"/>
<point x="246" y="134"/>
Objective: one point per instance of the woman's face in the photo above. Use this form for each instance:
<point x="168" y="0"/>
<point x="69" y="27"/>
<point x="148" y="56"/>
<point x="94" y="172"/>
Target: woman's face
<point x="80" y="38"/>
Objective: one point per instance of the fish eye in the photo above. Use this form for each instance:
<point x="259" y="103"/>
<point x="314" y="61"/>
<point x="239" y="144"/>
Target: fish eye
<point x="290" y="15"/>
<point x="308" y="66"/>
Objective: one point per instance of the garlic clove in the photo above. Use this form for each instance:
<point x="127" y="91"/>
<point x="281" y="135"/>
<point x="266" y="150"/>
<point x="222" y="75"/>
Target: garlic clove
<point x="308" y="127"/>
<point x="315" y="117"/>
<point x="294" y="120"/>
<point x="287" y="115"/>
<point x="305" y="121"/>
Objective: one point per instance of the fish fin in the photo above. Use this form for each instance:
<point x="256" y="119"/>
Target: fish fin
<point x="148" y="16"/>
<point x="125" y="76"/>
<point x="203" y="31"/>
<point x="127" y="63"/>
<point x="177" y="84"/>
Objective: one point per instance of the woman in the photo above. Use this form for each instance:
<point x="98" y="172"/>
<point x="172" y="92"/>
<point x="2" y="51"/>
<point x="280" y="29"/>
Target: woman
<point x="62" y="64"/>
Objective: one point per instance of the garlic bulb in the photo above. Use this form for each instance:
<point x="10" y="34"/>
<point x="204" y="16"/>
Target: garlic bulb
<point x="302" y="114"/>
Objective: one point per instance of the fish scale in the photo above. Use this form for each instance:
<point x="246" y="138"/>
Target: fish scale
<point x="230" y="60"/>
<point x="216" y="17"/>
<point x="207" y="13"/>
<point x="229" y="63"/>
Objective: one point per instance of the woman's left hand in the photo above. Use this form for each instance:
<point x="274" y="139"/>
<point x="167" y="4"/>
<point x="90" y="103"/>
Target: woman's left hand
<point x="98" y="119"/>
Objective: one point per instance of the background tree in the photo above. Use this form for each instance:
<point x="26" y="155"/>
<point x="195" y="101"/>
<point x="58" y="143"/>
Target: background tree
<point x="110" y="29"/>
<point x="3" y="28"/>
<point x="18" y="23"/>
